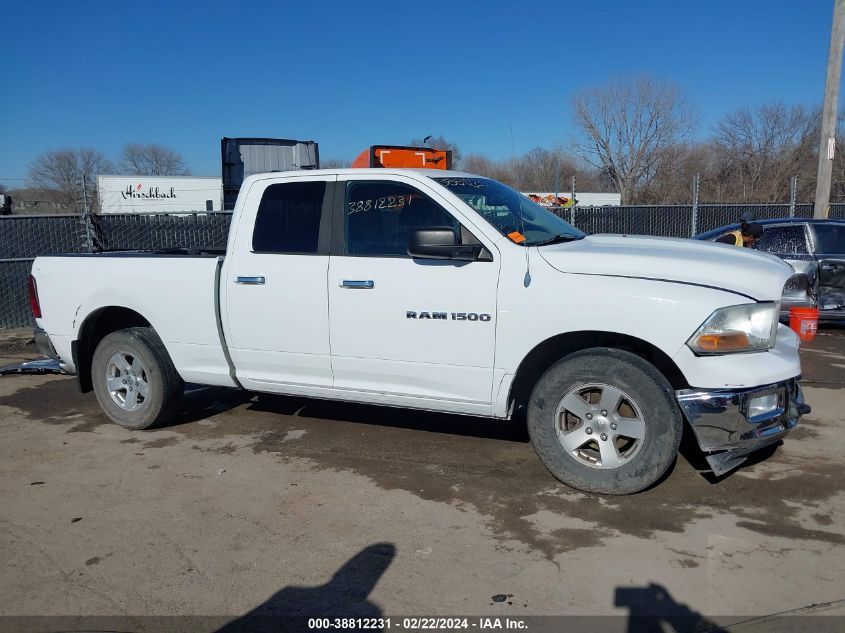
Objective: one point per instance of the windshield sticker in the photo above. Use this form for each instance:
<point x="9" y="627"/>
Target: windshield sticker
<point x="516" y="237"/>
<point x="458" y="182"/>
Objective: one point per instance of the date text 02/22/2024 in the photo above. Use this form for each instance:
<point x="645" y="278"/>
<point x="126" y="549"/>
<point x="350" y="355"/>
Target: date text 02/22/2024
<point x="419" y="624"/>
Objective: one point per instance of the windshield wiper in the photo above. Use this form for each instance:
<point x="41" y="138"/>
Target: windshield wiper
<point x="557" y="239"/>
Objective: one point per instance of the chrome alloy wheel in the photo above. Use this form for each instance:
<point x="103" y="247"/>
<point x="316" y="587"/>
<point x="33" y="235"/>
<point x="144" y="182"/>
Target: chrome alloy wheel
<point x="126" y="381"/>
<point x="600" y="425"/>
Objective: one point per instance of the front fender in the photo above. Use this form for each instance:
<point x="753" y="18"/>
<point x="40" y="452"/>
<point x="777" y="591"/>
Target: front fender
<point x="662" y="314"/>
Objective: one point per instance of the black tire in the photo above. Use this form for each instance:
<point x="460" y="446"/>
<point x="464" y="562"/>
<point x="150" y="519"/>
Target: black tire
<point x="163" y="385"/>
<point x="653" y="396"/>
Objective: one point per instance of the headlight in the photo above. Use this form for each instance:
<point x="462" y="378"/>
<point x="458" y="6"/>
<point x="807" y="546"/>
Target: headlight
<point x="750" y="327"/>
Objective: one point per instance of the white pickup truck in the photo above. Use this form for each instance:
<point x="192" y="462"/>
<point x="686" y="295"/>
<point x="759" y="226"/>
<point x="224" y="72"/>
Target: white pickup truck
<point x="443" y="291"/>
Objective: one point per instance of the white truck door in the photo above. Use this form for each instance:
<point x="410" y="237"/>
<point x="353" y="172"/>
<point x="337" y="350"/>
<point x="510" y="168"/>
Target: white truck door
<point x="415" y="332"/>
<point x="274" y="285"/>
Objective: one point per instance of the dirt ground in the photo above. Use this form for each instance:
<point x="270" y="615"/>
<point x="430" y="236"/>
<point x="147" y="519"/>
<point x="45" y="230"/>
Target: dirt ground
<point x="256" y="504"/>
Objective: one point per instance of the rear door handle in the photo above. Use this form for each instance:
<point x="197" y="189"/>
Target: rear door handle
<point x="361" y="284"/>
<point x="250" y="281"/>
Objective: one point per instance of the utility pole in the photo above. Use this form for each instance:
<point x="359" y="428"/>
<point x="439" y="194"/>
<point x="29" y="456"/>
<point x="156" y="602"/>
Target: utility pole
<point x="827" y="144"/>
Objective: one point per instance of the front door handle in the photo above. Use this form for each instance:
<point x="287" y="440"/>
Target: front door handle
<point x="361" y="284"/>
<point x="250" y="281"/>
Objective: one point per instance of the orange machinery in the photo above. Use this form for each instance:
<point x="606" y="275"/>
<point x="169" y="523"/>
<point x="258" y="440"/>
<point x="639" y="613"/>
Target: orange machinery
<point x="401" y="156"/>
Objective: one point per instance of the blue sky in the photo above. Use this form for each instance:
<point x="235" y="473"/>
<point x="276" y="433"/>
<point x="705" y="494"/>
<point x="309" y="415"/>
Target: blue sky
<point x="353" y="74"/>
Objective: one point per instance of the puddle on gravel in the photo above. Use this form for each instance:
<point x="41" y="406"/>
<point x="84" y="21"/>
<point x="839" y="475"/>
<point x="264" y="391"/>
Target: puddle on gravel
<point x="161" y="442"/>
<point x="57" y="401"/>
<point x="485" y="464"/>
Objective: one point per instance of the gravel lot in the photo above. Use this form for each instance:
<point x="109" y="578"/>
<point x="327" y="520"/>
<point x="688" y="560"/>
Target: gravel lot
<point x="286" y="505"/>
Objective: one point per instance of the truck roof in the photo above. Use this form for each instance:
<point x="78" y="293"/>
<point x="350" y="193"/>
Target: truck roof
<point x="431" y="173"/>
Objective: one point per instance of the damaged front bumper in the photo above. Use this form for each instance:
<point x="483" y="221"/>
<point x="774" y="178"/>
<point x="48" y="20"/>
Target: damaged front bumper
<point x="731" y="423"/>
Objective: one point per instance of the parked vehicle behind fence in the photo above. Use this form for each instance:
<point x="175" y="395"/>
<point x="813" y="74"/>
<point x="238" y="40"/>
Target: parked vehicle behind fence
<point x="813" y="247"/>
<point x="443" y="291"/>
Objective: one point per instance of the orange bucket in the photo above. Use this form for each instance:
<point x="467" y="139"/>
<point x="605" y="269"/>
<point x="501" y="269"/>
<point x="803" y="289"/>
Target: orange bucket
<point x="804" y="322"/>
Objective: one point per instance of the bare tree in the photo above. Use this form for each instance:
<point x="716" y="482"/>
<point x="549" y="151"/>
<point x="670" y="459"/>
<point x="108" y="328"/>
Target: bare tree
<point x="760" y="148"/>
<point x="440" y="142"/>
<point x="679" y="164"/>
<point x="141" y="159"/>
<point x="542" y="169"/>
<point x="625" y="127"/>
<point x="62" y="171"/>
<point x="539" y="169"/>
<point x="503" y="171"/>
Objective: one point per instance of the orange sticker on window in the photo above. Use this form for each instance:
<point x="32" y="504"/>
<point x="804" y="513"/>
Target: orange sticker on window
<point x="517" y="237"/>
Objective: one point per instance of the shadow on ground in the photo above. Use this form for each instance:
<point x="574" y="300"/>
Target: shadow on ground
<point x="653" y="610"/>
<point x="346" y="595"/>
<point x="463" y="425"/>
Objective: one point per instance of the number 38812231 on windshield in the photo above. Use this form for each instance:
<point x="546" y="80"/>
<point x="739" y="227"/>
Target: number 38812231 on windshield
<point x="385" y="202"/>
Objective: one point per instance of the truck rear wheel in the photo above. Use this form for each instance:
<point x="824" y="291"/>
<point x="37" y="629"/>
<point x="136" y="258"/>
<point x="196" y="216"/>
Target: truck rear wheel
<point x="604" y="420"/>
<point x="134" y="379"/>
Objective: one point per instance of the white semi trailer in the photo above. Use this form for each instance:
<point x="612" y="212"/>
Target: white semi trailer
<point x="159" y="194"/>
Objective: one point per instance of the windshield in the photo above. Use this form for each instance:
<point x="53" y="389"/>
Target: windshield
<point x="515" y="216"/>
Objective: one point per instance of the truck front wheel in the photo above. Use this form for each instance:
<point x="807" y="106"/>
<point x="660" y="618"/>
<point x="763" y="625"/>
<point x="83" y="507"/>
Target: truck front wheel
<point x="134" y="379"/>
<point x="604" y="420"/>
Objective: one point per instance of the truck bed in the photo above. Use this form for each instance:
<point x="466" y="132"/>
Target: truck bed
<point x="160" y="252"/>
<point x="176" y="291"/>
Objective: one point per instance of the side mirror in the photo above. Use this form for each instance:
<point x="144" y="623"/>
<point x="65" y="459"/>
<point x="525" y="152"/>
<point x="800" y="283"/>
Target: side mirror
<point x="440" y="243"/>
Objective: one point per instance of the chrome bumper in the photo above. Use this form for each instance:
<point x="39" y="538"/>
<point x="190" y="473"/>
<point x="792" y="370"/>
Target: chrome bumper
<point x="725" y="430"/>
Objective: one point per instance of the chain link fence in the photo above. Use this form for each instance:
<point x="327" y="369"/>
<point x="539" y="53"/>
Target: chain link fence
<point x="145" y="231"/>
<point x="14" y="294"/>
<point x="643" y="220"/>
<point x="684" y="220"/>
<point x="23" y="238"/>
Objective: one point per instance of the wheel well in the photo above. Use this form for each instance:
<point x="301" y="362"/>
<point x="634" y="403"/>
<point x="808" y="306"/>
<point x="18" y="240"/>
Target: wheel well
<point x="96" y="326"/>
<point x="552" y="350"/>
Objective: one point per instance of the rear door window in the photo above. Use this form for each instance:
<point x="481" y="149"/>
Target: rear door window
<point x="786" y="240"/>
